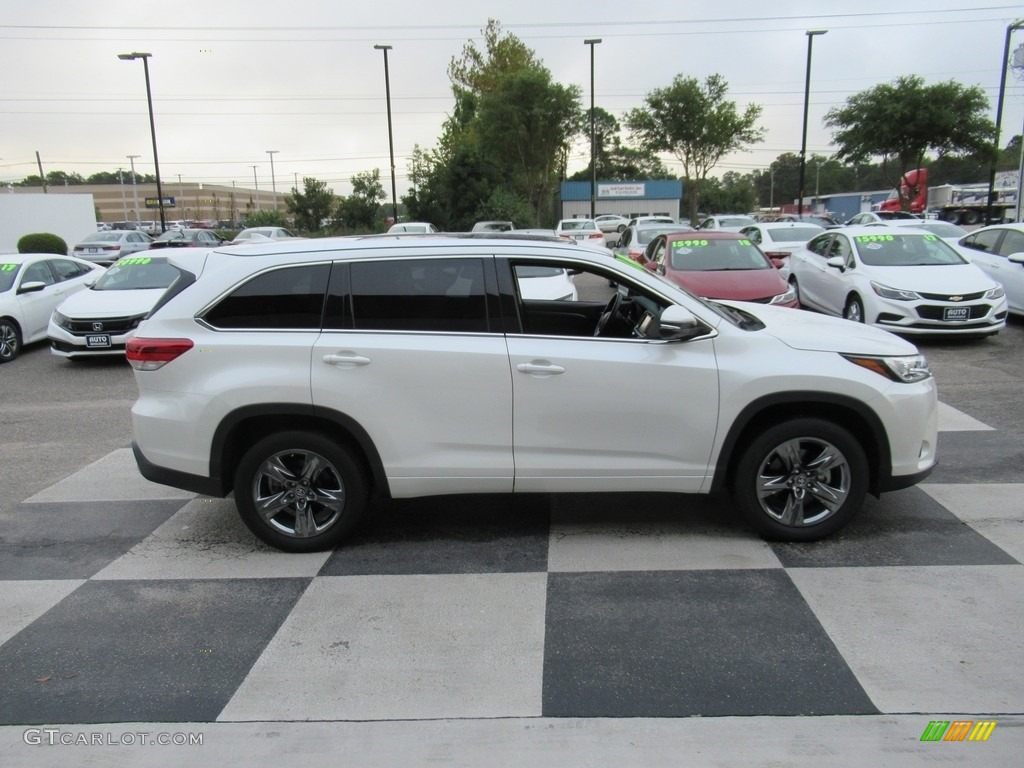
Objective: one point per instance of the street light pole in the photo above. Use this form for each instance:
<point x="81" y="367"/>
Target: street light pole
<point x="152" y="129"/>
<point x="273" y="182"/>
<point x="999" y="121"/>
<point x="135" y="188"/>
<point x="807" y="93"/>
<point x="256" y="184"/>
<point x="593" y="144"/>
<point x="124" y="203"/>
<point x="391" y="141"/>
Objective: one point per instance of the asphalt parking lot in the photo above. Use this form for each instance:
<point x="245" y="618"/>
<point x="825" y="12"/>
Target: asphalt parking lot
<point x="578" y="630"/>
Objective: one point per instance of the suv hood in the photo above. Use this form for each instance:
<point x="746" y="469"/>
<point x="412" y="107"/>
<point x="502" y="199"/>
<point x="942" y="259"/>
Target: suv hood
<point x="802" y="329"/>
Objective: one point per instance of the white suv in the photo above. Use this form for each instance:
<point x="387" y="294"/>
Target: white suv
<point x="306" y="375"/>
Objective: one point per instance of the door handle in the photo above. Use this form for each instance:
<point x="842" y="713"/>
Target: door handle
<point x="541" y="369"/>
<point x="346" y="360"/>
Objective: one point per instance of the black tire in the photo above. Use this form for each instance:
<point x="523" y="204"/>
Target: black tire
<point x="10" y="341"/>
<point x="953" y="217"/>
<point x="620" y="228"/>
<point x="820" y="473"/>
<point x="971" y="217"/>
<point x="796" y="290"/>
<point x="854" y="309"/>
<point x="319" y="487"/>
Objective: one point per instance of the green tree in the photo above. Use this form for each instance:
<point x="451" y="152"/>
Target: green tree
<point x="311" y="207"/>
<point x="265" y="218"/>
<point x="504" y="145"/>
<point x="527" y="120"/>
<point x="614" y="160"/>
<point x="695" y="123"/>
<point x="360" y="210"/>
<point x="900" y="122"/>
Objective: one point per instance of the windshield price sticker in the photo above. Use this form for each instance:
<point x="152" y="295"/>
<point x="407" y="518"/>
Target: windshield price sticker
<point x="8" y="267"/>
<point x="931" y="237"/>
<point x="134" y="260"/>
<point x="745" y="242"/>
<point x="875" y="238"/>
<point x="689" y="243"/>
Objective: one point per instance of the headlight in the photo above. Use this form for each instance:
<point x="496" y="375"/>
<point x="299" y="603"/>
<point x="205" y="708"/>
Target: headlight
<point x="61" y="320"/>
<point x="996" y="293"/>
<point x="893" y="293"/>
<point x="905" y="368"/>
<point x="784" y="298"/>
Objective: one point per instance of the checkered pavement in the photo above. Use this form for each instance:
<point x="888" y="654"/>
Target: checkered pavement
<point x="127" y="602"/>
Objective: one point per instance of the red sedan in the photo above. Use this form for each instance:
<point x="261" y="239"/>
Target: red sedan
<point x="719" y="265"/>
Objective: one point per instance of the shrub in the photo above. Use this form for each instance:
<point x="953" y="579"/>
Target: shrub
<point x="43" y="242"/>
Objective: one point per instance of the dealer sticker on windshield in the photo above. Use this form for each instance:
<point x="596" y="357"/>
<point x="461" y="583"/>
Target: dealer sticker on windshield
<point x="689" y="243"/>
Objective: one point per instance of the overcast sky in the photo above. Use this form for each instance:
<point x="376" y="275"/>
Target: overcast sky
<point x="234" y="79"/>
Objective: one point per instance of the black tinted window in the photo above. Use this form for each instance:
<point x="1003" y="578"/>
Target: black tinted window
<point x="445" y="295"/>
<point x="292" y="297"/>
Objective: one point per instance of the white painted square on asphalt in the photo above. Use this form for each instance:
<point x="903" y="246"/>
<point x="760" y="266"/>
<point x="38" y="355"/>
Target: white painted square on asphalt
<point x="994" y="510"/>
<point x="403" y="647"/>
<point x="22" y="602"/>
<point x="936" y="639"/>
<point x="115" y="477"/>
<point x="206" y="539"/>
<point x="952" y="420"/>
<point x="630" y="543"/>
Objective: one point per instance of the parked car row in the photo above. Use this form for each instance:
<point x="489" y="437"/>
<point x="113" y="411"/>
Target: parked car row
<point x="906" y="275"/>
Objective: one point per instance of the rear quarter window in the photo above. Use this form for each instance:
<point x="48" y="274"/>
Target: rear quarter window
<point x="289" y="298"/>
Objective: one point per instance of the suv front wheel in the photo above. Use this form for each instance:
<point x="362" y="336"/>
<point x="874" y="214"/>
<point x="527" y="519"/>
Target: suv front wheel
<point x="801" y="480"/>
<point x="300" y="491"/>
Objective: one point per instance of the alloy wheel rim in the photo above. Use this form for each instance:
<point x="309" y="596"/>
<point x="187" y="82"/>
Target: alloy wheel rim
<point x="298" y="493"/>
<point x="8" y="342"/>
<point x="803" y="482"/>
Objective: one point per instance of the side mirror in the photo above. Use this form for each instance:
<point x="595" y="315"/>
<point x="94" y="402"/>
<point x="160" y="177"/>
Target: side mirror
<point x="838" y="262"/>
<point x="678" y="324"/>
<point x="33" y="286"/>
<point x="651" y="266"/>
<point x="1016" y="258"/>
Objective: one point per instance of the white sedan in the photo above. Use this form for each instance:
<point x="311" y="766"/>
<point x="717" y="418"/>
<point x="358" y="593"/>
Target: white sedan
<point x="779" y="239"/>
<point x="99" y="321"/>
<point x="254" y="235"/>
<point x="998" y="250"/>
<point x="32" y="285"/>
<point x="902" y="280"/>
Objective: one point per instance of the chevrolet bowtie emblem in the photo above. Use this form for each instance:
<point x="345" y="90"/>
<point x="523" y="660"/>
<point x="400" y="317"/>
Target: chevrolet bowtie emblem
<point x="956" y="298"/>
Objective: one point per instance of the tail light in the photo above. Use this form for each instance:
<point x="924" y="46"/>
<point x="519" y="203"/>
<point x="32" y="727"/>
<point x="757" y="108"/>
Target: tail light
<point x="151" y="354"/>
<point x="777" y="254"/>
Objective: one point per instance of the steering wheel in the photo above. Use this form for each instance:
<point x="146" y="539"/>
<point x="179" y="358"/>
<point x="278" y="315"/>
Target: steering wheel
<point x="610" y="310"/>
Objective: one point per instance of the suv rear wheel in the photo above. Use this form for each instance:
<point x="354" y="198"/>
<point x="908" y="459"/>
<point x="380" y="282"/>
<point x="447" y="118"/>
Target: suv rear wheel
<point x="801" y="480"/>
<point x="300" y="491"/>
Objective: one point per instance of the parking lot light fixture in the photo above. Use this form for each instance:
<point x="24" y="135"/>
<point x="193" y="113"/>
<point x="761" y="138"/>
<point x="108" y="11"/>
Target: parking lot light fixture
<point x="152" y="129"/>
<point x="807" y="92"/>
<point x="273" y="181"/>
<point x="593" y="152"/>
<point x="999" y="119"/>
<point x="391" y="140"/>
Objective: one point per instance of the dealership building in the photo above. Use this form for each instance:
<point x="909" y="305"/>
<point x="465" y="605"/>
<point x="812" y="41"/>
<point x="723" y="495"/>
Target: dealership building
<point x="626" y="198"/>
<point x="182" y="201"/>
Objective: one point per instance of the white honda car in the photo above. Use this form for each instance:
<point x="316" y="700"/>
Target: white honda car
<point x="99" y="321"/>
<point x="904" y="280"/>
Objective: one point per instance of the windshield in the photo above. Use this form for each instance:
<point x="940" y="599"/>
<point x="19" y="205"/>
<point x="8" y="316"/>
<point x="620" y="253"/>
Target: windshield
<point x="940" y="228"/>
<point x="7" y="274"/>
<point x="792" y="234"/>
<point x="103" y="237"/>
<point x="572" y="224"/>
<point x="736" y="221"/>
<point x="905" y="251"/>
<point x="137" y="273"/>
<point x="645" y="235"/>
<point x="703" y="255"/>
